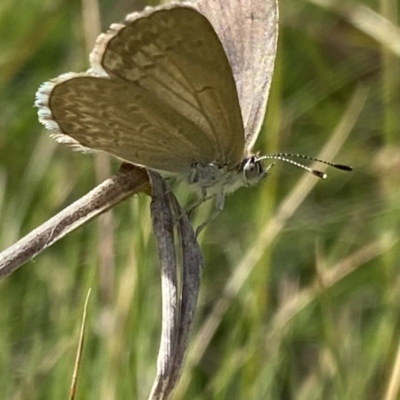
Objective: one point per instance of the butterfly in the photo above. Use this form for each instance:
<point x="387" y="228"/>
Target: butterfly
<point x="180" y="88"/>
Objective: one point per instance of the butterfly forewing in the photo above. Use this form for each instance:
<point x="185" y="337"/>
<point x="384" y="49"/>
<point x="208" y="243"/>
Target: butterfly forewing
<point x="248" y="30"/>
<point x="169" y="99"/>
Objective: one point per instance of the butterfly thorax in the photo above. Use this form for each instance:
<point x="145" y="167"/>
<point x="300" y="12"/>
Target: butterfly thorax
<point x="216" y="180"/>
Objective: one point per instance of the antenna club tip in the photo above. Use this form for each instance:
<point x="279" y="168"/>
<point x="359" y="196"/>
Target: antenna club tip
<point x="343" y="167"/>
<point x="319" y="174"/>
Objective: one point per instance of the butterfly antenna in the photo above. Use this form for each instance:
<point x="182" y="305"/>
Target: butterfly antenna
<point x="285" y="158"/>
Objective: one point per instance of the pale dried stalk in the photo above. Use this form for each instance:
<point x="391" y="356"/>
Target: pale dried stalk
<point x="177" y="308"/>
<point x="106" y="195"/>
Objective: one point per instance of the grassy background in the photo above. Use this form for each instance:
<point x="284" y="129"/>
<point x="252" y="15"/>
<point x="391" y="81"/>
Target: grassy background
<point x="306" y="305"/>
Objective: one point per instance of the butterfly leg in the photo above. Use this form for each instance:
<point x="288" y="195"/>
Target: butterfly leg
<point x="219" y="206"/>
<point x="199" y="202"/>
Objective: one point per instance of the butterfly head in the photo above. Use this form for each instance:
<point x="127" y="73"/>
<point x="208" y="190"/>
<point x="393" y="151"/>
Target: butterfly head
<point x="253" y="170"/>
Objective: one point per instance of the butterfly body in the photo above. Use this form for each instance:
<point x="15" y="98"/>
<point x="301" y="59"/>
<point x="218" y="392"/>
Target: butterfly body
<point x="214" y="180"/>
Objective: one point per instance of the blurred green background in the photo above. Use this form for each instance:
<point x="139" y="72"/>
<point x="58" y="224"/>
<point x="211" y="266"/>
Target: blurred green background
<point x="300" y="297"/>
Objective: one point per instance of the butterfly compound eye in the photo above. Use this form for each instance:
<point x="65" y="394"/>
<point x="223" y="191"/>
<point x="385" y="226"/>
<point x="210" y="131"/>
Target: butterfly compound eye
<point x="253" y="170"/>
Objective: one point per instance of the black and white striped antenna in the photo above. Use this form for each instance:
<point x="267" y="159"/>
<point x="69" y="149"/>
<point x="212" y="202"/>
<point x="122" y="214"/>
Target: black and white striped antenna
<point x="285" y="157"/>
